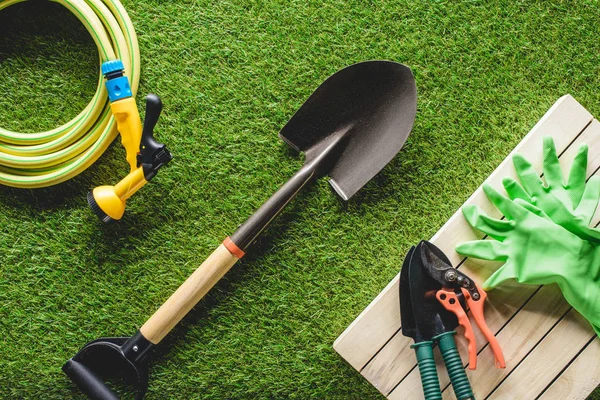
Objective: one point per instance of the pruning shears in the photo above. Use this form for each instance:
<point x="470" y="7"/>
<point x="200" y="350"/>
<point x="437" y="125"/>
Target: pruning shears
<point x="433" y="301"/>
<point x="456" y="289"/>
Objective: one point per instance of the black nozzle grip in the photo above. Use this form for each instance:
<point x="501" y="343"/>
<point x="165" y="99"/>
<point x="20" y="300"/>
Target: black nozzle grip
<point x="153" y="155"/>
<point x="88" y="382"/>
<point x="153" y="109"/>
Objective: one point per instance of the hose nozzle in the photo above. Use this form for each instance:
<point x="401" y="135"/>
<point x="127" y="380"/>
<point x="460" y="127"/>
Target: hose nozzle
<point x="144" y="154"/>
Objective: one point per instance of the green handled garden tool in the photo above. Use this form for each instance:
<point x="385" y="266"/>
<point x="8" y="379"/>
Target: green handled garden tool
<point x="349" y="129"/>
<point x="426" y="321"/>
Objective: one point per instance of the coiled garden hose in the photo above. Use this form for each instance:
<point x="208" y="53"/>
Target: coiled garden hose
<point x="34" y="160"/>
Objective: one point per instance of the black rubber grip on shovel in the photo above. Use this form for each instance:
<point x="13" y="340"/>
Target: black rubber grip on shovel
<point x="88" y="382"/>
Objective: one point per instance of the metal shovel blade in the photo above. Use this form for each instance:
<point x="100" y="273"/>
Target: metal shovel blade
<point x="374" y="103"/>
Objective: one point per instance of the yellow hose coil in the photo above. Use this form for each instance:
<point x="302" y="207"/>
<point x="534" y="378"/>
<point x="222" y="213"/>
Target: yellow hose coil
<point x="33" y="160"/>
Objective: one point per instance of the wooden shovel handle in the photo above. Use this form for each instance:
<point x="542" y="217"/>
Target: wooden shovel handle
<point x="190" y="293"/>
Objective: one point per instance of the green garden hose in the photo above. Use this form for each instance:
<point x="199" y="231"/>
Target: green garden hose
<point x="33" y="160"/>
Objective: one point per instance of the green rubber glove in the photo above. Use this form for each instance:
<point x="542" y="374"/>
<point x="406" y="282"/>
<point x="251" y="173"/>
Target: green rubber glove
<point x="572" y="204"/>
<point x="536" y="251"/>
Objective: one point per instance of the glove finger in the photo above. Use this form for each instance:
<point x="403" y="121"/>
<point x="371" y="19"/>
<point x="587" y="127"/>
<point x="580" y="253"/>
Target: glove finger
<point x="578" y="175"/>
<point x="492" y="227"/>
<point x="529" y="178"/>
<point x="532" y="209"/>
<point x="589" y="200"/>
<point x="552" y="171"/>
<point x="490" y="250"/>
<point x="506" y="206"/>
<point x="515" y="191"/>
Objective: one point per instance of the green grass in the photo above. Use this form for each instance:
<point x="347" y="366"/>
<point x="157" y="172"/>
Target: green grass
<point x="230" y="74"/>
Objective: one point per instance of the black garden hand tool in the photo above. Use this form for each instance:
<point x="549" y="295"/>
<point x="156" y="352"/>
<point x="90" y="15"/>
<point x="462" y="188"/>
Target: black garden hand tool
<point x="349" y="129"/>
<point x="428" y="323"/>
<point x="453" y="288"/>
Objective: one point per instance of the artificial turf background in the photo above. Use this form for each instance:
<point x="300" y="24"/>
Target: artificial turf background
<point x="230" y="74"/>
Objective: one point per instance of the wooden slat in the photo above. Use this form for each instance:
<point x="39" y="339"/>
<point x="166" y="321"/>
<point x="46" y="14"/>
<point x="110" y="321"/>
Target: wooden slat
<point x="520" y="332"/>
<point x="547" y="360"/>
<point x="574" y="383"/>
<point x="379" y="323"/>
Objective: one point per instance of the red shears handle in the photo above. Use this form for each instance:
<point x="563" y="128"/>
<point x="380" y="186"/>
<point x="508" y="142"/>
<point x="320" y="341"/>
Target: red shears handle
<point x="449" y="300"/>
<point x="476" y="307"/>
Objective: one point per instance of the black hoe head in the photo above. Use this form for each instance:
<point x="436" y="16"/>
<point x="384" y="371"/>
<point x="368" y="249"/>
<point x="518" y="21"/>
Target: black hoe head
<point x="373" y="104"/>
<point x="107" y="359"/>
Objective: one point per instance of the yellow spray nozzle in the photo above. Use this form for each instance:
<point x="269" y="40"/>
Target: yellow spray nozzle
<point x="144" y="154"/>
<point x="108" y="202"/>
<point x="129" y="126"/>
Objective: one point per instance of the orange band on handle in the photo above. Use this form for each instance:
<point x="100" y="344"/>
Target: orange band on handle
<point x="450" y="302"/>
<point x="233" y="249"/>
<point x="476" y="307"/>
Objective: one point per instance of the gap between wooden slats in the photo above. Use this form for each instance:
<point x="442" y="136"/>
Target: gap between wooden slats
<point x="547" y="360"/>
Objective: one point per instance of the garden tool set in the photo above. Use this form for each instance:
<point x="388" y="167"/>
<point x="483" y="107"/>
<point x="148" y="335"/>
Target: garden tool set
<point x="349" y="129"/>
<point x="433" y="301"/>
<point x="545" y="238"/>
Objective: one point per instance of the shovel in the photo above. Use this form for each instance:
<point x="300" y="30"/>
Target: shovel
<point x="349" y="129"/>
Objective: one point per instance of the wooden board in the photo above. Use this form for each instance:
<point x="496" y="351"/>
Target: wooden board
<point x="536" y="328"/>
<point x="574" y="382"/>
